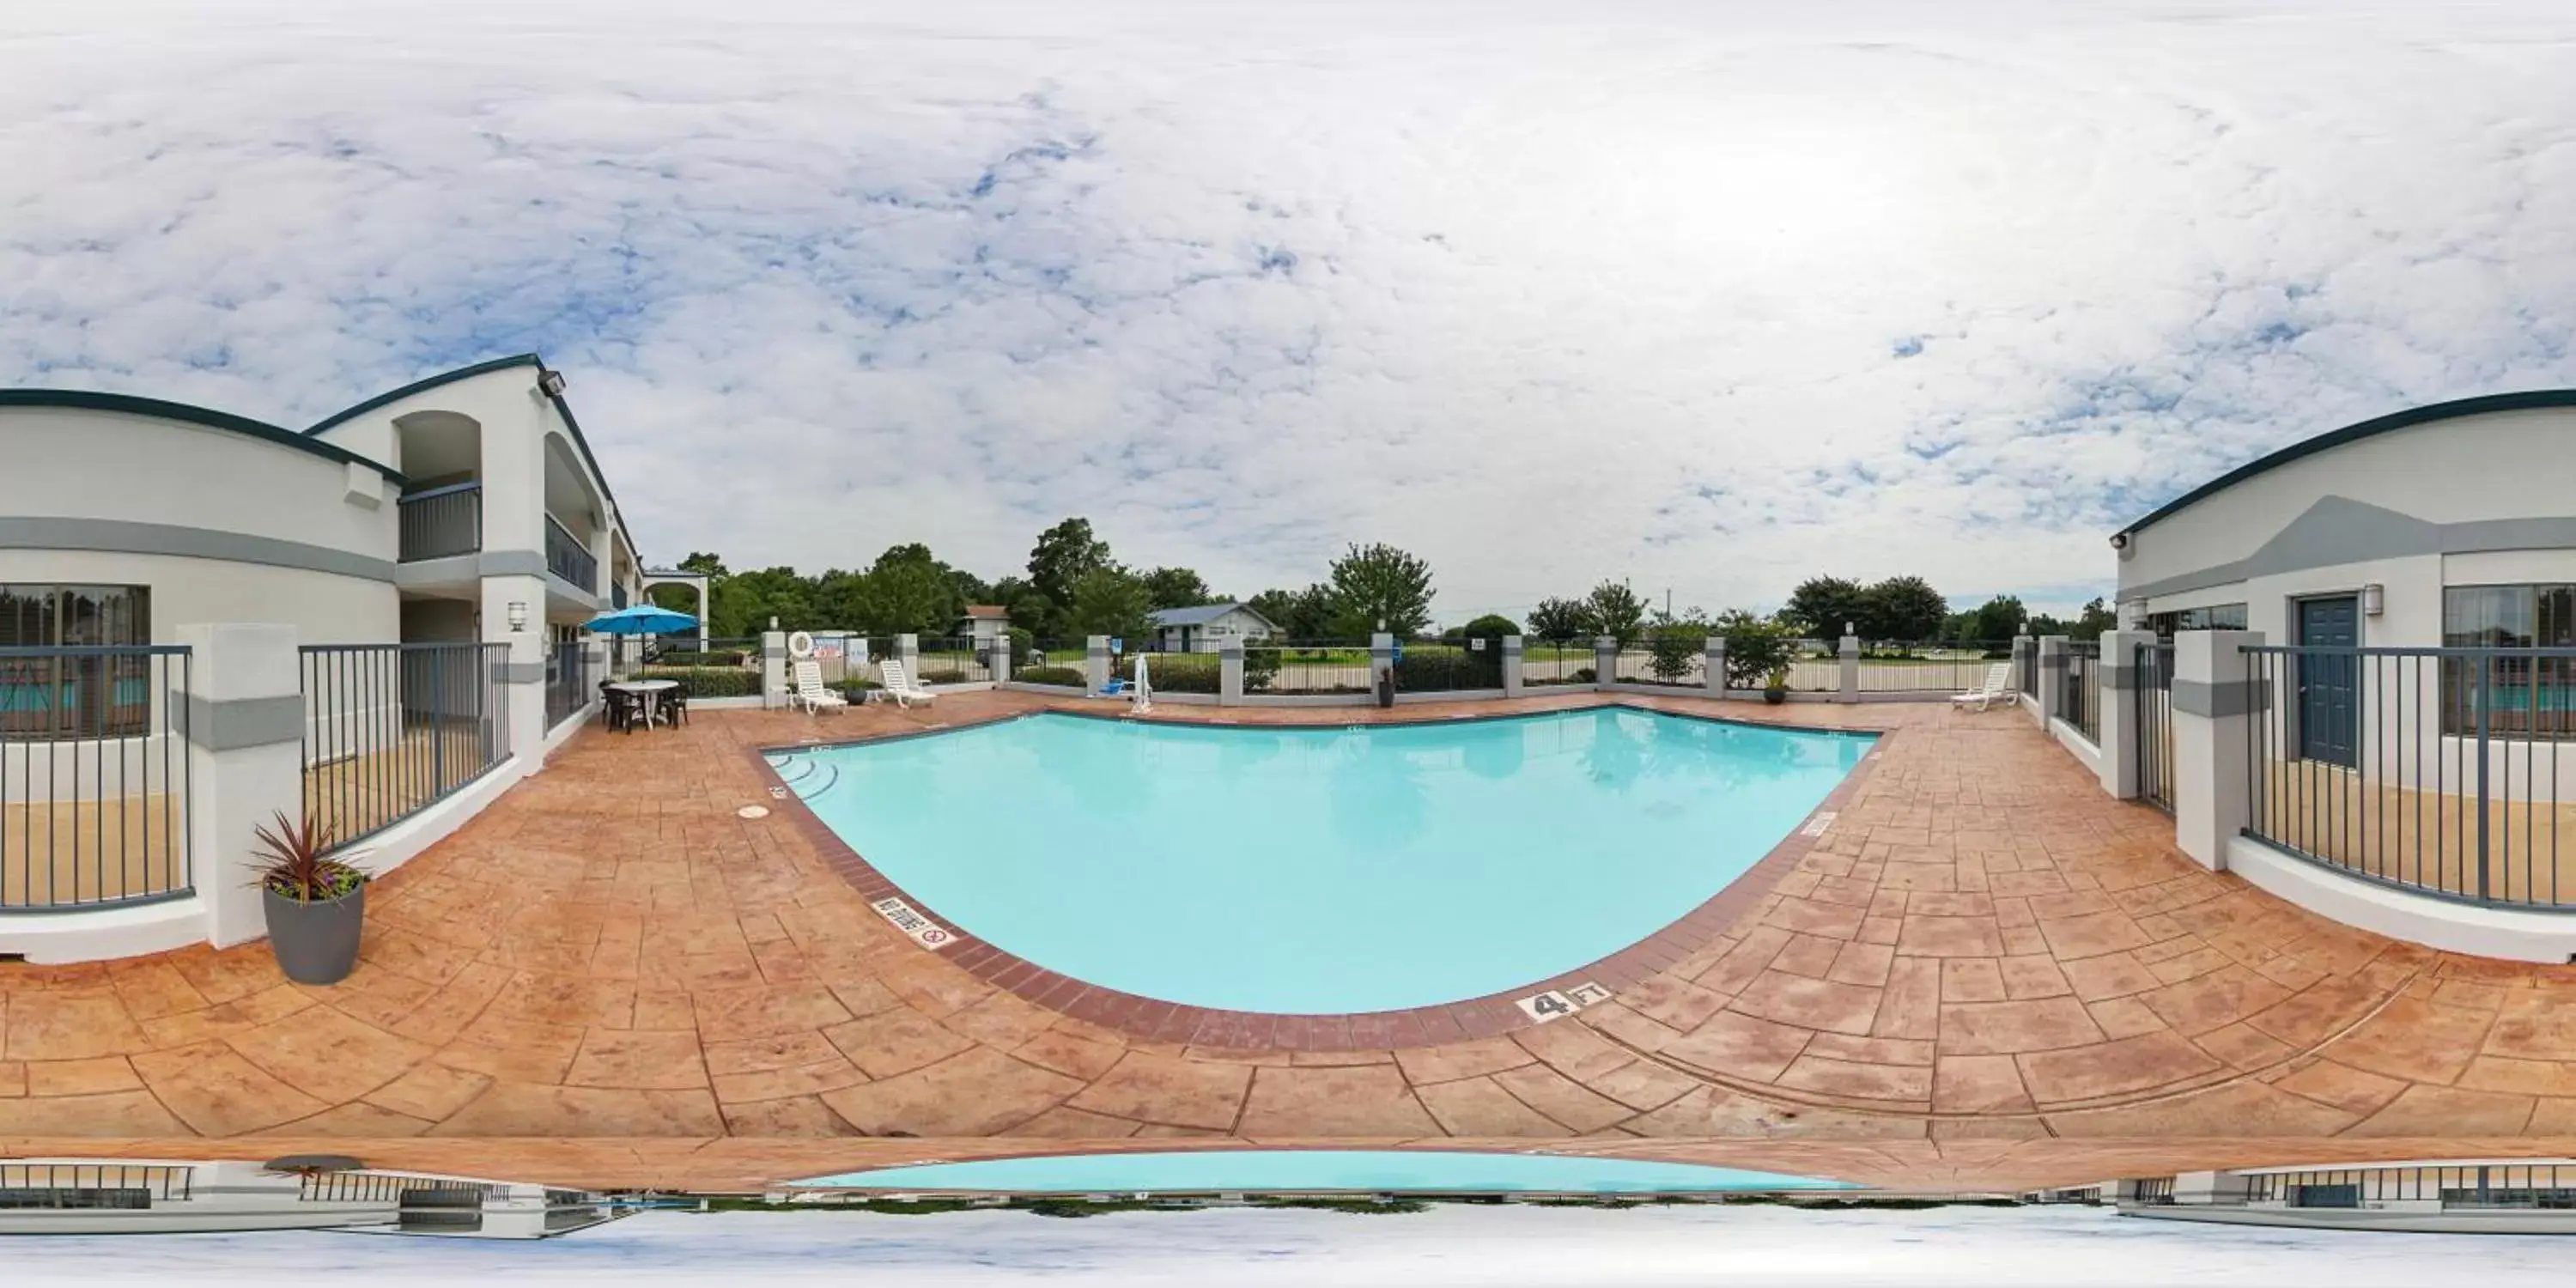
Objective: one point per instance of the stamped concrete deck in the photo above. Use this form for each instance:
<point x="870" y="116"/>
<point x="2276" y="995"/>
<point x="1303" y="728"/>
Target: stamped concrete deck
<point x="1982" y="948"/>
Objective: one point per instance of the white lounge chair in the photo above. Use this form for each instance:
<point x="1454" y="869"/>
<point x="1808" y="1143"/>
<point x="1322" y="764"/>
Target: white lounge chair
<point x="900" y="685"/>
<point x="1997" y="688"/>
<point x="809" y="692"/>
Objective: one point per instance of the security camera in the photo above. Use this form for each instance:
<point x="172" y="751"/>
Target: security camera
<point x="2119" y="541"/>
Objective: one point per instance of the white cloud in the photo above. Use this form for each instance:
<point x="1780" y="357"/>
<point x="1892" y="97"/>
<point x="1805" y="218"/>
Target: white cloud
<point x="1709" y="296"/>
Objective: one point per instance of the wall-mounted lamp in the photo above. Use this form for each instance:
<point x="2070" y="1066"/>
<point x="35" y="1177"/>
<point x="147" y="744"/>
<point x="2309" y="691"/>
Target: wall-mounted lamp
<point x="518" y="617"/>
<point x="550" y="382"/>
<point x="2373" y="597"/>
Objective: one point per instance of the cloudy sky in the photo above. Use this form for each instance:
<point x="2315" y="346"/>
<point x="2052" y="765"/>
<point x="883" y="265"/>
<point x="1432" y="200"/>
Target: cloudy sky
<point x="1446" y="1247"/>
<point x="1703" y="294"/>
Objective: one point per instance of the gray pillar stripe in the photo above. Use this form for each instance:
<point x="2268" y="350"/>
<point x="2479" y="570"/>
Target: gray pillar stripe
<point x="2053" y="661"/>
<point x="2120" y="678"/>
<point x="245" y="722"/>
<point x="520" y="672"/>
<point x="2217" y="701"/>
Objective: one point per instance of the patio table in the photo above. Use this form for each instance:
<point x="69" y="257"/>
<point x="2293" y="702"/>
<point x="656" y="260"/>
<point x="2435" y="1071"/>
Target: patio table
<point x="647" y="691"/>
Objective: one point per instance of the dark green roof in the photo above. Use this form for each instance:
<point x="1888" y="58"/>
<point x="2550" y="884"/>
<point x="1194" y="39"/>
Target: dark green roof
<point x="2407" y="419"/>
<point x="127" y="404"/>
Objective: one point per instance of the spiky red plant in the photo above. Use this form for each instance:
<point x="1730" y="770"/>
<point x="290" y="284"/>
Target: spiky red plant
<point x="295" y="862"/>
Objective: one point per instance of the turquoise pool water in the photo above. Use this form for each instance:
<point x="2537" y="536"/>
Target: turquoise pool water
<point x="1321" y="870"/>
<point x="1368" y="1171"/>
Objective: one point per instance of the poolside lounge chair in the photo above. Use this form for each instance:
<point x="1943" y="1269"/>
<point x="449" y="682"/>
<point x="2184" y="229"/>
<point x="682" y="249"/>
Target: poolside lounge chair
<point x="1116" y="688"/>
<point x="901" y="686"/>
<point x="1997" y="688"/>
<point x="809" y="692"/>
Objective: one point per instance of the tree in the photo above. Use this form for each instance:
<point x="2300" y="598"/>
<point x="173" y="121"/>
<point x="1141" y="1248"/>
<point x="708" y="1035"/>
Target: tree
<point x="1561" y="619"/>
<point x="1379" y="587"/>
<point x="1177" y="588"/>
<point x="1820" y="606"/>
<point x="906" y="596"/>
<point x="1616" y="610"/>
<point x="1062" y="555"/>
<point x="1303" y="615"/>
<point x="1492" y="626"/>
<point x="1903" y="608"/>
<point x="1672" y="642"/>
<point x="2098" y="617"/>
<point x="1999" y="618"/>
<point x="1756" y="646"/>
<point x="1109" y="601"/>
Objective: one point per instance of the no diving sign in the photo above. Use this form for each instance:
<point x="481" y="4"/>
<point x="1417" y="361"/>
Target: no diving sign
<point x="920" y="929"/>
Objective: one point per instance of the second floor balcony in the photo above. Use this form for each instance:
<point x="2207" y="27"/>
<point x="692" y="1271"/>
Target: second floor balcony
<point x="569" y="557"/>
<point x="441" y="522"/>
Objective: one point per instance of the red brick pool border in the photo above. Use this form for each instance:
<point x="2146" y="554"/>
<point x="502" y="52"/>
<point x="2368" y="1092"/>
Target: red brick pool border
<point x="1152" y="1020"/>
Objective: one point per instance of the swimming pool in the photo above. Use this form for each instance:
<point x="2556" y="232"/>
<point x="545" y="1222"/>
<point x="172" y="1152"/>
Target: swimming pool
<point x="1364" y="1171"/>
<point x="1320" y="870"/>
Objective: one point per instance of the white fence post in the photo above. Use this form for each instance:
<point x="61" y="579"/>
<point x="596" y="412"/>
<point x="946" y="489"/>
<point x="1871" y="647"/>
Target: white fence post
<point x="907" y="650"/>
<point x="1511" y="666"/>
<point x="1095" y="662"/>
<point x="1229" y="666"/>
<point x="2052" y="679"/>
<point x="1714" y="663"/>
<point x="1850" y="686"/>
<point x="1001" y="659"/>
<point x="245" y="726"/>
<point x="1381" y="658"/>
<point x="1605" y="660"/>
<point x="773" y="669"/>
<point x="2116" y="718"/>
<point x="2215" y="696"/>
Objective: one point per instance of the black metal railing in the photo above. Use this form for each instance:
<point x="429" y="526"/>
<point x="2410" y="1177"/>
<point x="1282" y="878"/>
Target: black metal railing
<point x="2154" y="1191"/>
<point x="441" y="522"/>
<point x="2079" y="691"/>
<point x="1555" y="661"/>
<point x="2432" y="769"/>
<point x="391" y="729"/>
<point x="568" y="682"/>
<point x="1896" y="666"/>
<point x="725" y="668"/>
<point x="955" y="659"/>
<point x="617" y="594"/>
<point x="1439" y="666"/>
<point x="1309" y="668"/>
<point x="2550" y="1186"/>
<point x="2151" y="727"/>
<point x="2026" y="661"/>
<point x="94" y="775"/>
<point x="569" y="557"/>
<point x="122" y="1186"/>
<point x="1060" y="662"/>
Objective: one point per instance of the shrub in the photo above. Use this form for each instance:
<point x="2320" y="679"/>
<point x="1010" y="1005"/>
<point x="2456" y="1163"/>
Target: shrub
<point x="1671" y="648"/>
<point x="942" y="676"/>
<point x="1447" y="669"/>
<point x="731" y="682"/>
<point x="1064" y="675"/>
<point x="690" y="657"/>
<point x="1182" y="672"/>
<point x="857" y="690"/>
<point x="1756" y="649"/>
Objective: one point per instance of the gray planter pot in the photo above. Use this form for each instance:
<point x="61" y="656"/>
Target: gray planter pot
<point x="316" y="943"/>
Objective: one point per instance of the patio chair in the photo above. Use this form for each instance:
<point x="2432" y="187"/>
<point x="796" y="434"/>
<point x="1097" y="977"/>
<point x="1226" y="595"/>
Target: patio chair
<point x="618" y="708"/>
<point x="809" y="692"/>
<point x="1997" y="688"/>
<point x="901" y="686"/>
<point x="672" y="704"/>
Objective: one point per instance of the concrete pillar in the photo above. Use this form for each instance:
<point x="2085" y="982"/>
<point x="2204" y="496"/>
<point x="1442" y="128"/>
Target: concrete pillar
<point x="2215" y="695"/>
<point x="1605" y="659"/>
<point x="245" y="731"/>
<point x="1095" y="662"/>
<point x="1511" y="666"/>
<point x="1001" y="662"/>
<point x="2196" y="1188"/>
<point x="524" y="674"/>
<point x="2052" y="678"/>
<point x="1714" y="662"/>
<point x="1381" y="657"/>
<point x="1229" y="666"/>
<point x="595" y="657"/>
<point x="2025" y="660"/>
<point x="907" y="652"/>
<point x="773" y="669"/>
<point x="1849" y="689"/>
<point x="2118" y="719"/>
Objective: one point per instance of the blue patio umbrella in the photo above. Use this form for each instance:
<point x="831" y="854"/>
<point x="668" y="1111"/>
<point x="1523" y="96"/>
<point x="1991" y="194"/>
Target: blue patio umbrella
<point x="642" y="619"/>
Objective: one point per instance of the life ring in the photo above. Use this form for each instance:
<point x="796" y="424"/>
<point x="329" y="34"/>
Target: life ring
<point x="800" y="644"/>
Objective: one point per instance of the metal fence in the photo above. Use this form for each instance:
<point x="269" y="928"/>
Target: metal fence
<point x="1898" y="666"/>
<point x="725" y="668"/>
<point x="568" y="682"/>
<point x="954" y="660"/>
<point x="123" y="1186"/>
<point x="390" y="729"/>
<point x="1434" y="666"/>
<point x="440" y="522"/>
<point x="1310" y="667"/>
<point x="2469" y="1185"/>
<point x="2433" y="769"/>
<point x="1055" y="661"/>
<point x="1563" y="661"/>
<point x="2026" y="660"/>
<point x="1815" y="666"/>
<point x="2079" y="692"/>
<point x="2151" y="726"/>
<point x="569" y="557"/>
<point x="94" y="775"/>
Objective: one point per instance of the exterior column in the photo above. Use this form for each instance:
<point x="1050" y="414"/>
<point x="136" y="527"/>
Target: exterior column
<point x="524" y="674"/>
<point x="595" y="661"/>
<point x="1229" y="666"/>
<point x="2118" y="718"/>
<point x="2215" y="697"/>
<point x="2052" y="678"/>
<point x="773" y="670"/>
<point x="907" y="651"/>
<point x="2025" y="663"/>
<point x="1381" y="659"/>
<point x="1849" y="690"/>
<point x="1001" y="663"/>
<point x="1605" y="660"/>
<point x="245" y="729"/>
<point x="1713" y="661"/>
<point x="1511" y="666"/>
<point x="1095" y="662"/>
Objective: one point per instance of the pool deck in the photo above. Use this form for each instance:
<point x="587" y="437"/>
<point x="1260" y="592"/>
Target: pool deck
<point x="1981" y="954"/>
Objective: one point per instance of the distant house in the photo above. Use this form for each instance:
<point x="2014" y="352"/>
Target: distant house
<point x="1204" y="628"/>
<point x="985" y="623"/>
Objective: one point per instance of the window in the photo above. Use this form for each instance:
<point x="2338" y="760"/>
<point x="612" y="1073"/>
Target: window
<point x="72" y="696"/>
<point x="2527" y="697"/>
<point x="2215" y="617"/>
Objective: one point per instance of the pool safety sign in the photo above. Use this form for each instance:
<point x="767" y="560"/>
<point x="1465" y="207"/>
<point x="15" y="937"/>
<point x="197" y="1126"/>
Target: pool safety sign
<point x="1554" y="1005"/>
<point x="920" y="929"/>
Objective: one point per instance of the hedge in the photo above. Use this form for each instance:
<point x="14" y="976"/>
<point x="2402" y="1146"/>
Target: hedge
<point x="707" y="683"/>
<point x="691" y="657"/>
<point x="1183" y="672"/>
<point x="1063" y="675"/>
<point x="943" y="676"/>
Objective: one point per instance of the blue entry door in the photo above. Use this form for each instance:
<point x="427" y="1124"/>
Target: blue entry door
<point x="2329" y="702"/>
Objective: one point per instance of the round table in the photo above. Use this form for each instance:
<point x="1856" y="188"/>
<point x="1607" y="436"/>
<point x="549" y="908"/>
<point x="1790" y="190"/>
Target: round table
<point x="649" y="691"/>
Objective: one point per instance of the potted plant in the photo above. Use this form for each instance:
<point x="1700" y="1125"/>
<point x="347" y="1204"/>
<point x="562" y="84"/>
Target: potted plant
<point x="1775" y="689"/>
<point x="316" y="902"/>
